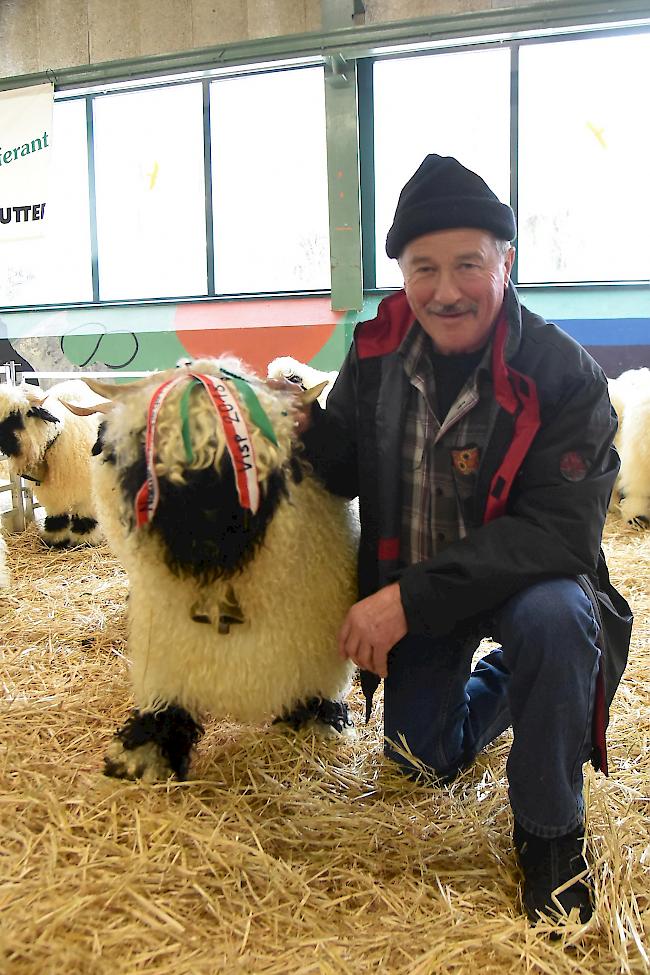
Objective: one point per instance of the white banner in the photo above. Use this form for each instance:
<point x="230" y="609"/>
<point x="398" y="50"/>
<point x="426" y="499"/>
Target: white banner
<point x="25" y="152"/>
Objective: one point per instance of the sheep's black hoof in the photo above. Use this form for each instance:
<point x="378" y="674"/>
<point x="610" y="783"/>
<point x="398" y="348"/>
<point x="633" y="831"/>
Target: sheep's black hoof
<point x="145" y="762"/>
<point x="56" y="531"/>
<point x="152" y="745"/>
<point x="320" y="715"/>
<point x="85" y="530"/>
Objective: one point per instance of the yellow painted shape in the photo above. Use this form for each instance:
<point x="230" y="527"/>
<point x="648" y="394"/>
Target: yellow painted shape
<point x="153" y="175"/>
<point x="598" y="133"/>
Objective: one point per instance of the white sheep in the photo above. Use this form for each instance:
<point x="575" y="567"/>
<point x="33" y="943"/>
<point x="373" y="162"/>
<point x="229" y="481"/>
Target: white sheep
<point x="232" y="611"/>
<point x="285" y="367"/>
<point x="631" y="400"/>
<point x="620" y="389"/>
<point x="47" y="444"/>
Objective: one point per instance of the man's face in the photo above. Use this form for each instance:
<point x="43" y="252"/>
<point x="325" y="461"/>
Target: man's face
<point x="455" y="282"/>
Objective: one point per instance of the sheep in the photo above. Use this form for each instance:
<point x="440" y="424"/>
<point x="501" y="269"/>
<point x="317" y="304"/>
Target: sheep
<point x="237" y="584"/>
<point x="50" y="446"/>
<point x="621" y="388"/>
<point x="631" y="400"/>
<point x="284" y="367"/>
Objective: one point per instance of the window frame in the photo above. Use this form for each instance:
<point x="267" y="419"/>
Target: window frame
<point x="367" y="123"/>
<point x="360" y="46"/>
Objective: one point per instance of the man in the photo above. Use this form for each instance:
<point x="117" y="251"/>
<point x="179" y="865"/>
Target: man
<point x="479" y="441"/>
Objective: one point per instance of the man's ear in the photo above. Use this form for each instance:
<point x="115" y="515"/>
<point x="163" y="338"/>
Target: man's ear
<point x="510" y="260"/>
<point x="42" y="414"/>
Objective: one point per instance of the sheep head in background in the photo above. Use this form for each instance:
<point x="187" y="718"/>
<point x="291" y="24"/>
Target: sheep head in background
<point x="630" y="397"/>
<point x="51" y="447"/>
<point x="285" y="367"/>
<point x="241" y="565"/>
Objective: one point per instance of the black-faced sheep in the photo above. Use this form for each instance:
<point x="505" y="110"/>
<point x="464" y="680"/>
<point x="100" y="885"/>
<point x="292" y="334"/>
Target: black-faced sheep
<point x="630" y="396"/>
<point x="285" y="367"/>
<point x="50" y="446"/>
<point x="241" y="565"/>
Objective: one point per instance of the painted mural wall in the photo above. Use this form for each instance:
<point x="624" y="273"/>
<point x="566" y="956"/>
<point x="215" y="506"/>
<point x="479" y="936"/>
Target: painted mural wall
<point x="612" y="323"/>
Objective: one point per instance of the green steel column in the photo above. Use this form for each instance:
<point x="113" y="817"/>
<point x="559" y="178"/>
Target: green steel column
<point x="342" y="128"/>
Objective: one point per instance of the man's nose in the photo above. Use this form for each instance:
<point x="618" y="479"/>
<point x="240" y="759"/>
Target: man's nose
<point x="446" y="291"/>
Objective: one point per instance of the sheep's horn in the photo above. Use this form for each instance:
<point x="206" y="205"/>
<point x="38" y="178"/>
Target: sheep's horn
<point x="309" y="395"/>
<point x="113" y="390"/>
<point x="87" y="410"/>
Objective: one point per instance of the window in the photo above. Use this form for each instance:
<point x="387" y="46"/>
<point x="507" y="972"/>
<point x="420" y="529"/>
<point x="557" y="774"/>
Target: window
<point x="584" y="150"/>
<point x="215" y="182"/>
<point x="150" y="192"/>
<point x="56" y="268"/>
<point x="451" y="104"/>
<point x="269" y="179"/>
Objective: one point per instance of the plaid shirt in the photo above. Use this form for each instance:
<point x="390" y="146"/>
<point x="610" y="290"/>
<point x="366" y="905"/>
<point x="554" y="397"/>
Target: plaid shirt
<point x="439" y="461"/>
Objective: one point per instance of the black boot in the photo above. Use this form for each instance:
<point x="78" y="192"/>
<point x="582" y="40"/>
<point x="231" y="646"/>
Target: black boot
<point x="548" y="864"/>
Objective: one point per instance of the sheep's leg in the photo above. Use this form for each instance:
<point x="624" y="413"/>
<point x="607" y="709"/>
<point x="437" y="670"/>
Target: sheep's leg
<point x="84" y="530"/>
<point x="152" y="745"/>
<point x="56" y="530"/>
<point x="327" y="718"/>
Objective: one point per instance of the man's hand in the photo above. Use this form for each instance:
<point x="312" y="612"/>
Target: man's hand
<point x="301" y="410"/>
<point x="371" y="629"/>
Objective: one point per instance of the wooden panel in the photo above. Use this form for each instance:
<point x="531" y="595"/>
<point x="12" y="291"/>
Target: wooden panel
<point x="268" y="18"/>
<point x="165" y="26"/>
<point x="114" y="30"/>
<point x="18" y="37"/>
<point x="218" y="22"/>
<point x="63" y="33"/>
<point x="313" y="15"/>
<point x="382" y="11"/>
<point x="137" y="28"/>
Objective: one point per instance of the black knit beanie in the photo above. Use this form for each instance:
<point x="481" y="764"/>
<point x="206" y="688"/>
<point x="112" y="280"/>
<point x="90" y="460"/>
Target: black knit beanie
<point x="442" y="195"/>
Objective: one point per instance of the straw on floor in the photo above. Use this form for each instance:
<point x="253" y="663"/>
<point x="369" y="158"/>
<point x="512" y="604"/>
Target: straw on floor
<point x="282" y="854"/>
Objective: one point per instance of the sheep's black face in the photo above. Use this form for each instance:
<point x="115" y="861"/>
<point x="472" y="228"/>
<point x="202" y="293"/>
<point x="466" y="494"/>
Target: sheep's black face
<point x="42" y="414"/>
<point x="206" y="532"/>
<point x="9" y="427"/>
<point x="99" y="447"/>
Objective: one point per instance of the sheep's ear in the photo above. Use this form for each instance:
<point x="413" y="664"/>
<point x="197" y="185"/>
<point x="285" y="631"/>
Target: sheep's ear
<point x="42" y="414"/>
<point x="87" y="410"/>
<point x="312" y="394"/>
<point x="35" y="396"/>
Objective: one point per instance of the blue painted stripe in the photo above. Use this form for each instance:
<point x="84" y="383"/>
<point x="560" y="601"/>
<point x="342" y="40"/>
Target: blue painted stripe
<point x="607" y="331"/>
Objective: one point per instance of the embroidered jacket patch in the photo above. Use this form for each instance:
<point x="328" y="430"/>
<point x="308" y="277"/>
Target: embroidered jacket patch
<point x="573" y="466"/>
<point x="466" y="459"/>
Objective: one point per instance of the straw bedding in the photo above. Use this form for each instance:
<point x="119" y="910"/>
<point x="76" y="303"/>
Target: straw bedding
<point x="282" y="854"/>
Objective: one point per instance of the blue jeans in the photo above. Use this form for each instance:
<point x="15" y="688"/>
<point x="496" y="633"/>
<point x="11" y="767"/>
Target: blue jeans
<point x="541" y="681"/>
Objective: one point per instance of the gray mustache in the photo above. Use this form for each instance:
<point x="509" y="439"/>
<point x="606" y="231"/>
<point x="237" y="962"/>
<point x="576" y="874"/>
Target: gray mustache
<point x="451" y="309"/>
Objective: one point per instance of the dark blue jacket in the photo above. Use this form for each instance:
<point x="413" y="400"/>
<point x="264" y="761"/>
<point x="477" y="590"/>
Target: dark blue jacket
<point x="541" y="494"/>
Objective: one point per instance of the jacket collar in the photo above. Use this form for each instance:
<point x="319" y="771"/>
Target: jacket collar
<point x="385" y="333"/>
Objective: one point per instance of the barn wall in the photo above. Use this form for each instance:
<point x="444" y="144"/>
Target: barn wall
<point x="613" y="326"/>
<point x="37" y="35"/>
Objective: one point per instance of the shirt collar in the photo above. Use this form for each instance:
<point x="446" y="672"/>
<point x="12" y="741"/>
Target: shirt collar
<point x="415" y="343"/>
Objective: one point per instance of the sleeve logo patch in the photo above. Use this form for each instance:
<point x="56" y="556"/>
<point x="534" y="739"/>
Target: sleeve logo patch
<point x="466" y="459"/>
<point x="573" y="466"/>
